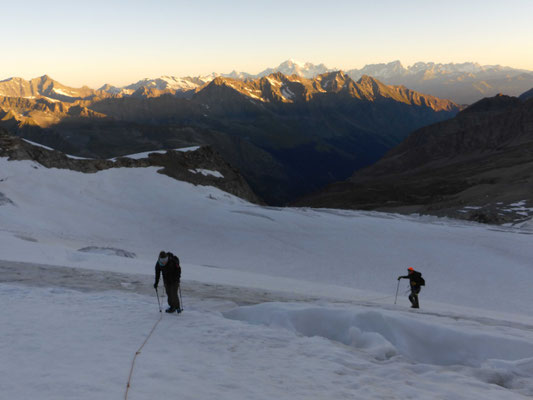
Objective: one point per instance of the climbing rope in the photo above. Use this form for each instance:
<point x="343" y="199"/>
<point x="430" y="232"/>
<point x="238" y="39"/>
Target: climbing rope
<point x="136" y="354"/>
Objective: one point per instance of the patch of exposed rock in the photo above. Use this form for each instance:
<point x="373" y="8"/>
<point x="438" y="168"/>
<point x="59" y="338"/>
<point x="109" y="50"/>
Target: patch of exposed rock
<point x="179" y="165"/>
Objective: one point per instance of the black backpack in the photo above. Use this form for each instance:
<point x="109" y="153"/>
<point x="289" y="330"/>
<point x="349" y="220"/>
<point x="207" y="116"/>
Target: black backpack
<point x="175" y="258"/>
<point x="421" y="281"/>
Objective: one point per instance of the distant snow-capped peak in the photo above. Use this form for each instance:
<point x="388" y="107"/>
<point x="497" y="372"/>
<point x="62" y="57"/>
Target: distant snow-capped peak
<point x="168" y="82"/>
<point x="396" y="69"/>
<point x="291" y="67"/>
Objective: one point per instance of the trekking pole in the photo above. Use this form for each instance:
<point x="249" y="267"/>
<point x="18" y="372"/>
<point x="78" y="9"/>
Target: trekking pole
<point x="158" y="302"/>
<point x="397" y="287"/>
<point x="181" y="300"/>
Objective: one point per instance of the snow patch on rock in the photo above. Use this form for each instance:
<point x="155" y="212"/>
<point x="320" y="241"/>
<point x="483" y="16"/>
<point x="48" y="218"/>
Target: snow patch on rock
<point x="207" y="172"/>
<point x="145" y="154"/>
<point x="287" y="93"/>
<point x="62" y="92"/>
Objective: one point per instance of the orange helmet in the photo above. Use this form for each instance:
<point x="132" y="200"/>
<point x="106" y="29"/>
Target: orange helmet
<point x="410" y="269"/>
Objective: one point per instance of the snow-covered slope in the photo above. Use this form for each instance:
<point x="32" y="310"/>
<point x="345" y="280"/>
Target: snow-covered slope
<point x="141" y="211"/>
<point x="79" y="345"/>
<point x="172" y="82"/>
<point x="473" y="337"/>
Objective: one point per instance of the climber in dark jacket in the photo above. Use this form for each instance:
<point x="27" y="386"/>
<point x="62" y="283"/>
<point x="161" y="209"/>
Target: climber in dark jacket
<point x="169" y="265"/>
<point x="416" y="281"/>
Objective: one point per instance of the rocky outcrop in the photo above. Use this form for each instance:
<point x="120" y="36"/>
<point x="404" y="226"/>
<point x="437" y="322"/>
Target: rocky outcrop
<point x="477" y="166"/>
<point x="184" y="166"/>
<point x="203" y="167"/>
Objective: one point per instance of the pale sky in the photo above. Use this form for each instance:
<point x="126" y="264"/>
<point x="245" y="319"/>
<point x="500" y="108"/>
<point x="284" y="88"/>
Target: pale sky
<point x="122" y="41"/>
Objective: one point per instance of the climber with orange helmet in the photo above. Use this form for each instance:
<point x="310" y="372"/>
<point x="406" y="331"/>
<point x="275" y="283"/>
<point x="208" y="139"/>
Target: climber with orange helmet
<point x="416" y="282"/>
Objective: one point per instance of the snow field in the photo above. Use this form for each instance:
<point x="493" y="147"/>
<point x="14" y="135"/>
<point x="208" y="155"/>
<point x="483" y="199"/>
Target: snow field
<point x="472" y="339"/>
<point x="80" y="345"/>
<point x="142" y="212"/>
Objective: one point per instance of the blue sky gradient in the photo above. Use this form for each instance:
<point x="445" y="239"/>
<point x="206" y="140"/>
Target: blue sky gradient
<point x="120" y="42"/>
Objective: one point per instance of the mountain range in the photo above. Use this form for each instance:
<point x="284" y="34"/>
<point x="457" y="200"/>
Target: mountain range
<point x="291" y="136"/>
<point x="43" y="87"/>
<point x="476" y="166"/>
<point x="288" y="135"/>
<point x="463" y="83"/>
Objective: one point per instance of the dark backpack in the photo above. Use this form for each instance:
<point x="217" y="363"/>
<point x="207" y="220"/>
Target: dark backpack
<point x="176" y="263"/>
<point x="421" y="281"/>
<point x="174" y="258"/>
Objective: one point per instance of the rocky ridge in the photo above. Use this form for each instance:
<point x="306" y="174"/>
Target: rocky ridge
<point x="185" y="166"/>
<point x="278" y="87"/>
<point x="44" y="111"/>
<point x="463" y="83"/>
<point x="44" y="87"/>
<point x="527" y="95"/>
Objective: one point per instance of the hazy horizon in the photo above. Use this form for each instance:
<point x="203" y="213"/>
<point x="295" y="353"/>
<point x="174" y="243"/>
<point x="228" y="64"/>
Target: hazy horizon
<point x="125" y="41"/>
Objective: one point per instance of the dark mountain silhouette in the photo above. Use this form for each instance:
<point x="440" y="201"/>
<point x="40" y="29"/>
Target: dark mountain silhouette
<point x="527" y="95"/>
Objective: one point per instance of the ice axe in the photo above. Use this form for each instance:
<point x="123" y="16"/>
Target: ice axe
<point x="180" y="299"/>
<point x="397" y="287"/>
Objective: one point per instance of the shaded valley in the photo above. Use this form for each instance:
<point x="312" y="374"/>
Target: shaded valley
<point x="476" y="166"/>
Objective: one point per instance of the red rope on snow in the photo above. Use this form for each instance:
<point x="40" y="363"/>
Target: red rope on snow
<point x="136" y="354"/>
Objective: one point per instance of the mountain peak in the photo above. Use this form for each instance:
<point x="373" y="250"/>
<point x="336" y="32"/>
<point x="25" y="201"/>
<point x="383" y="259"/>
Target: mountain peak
<point x="45" y="78"/>
<point x="371" y="89"/>
<point x="334" y="81"/>
<point x="292" y="67"/>
<point x="499" y="102"/>
<point x="218" y="81"/>
<point x="220" y="89"/>
<point x="14" y="79"/>
<point x="277" y="75"/>
<point x="395" y="63"/>
<point x="526" y="95"/>
<point x="367" y="79"/>
<point x="293" y="63"/>
<point x="107" y="86"/>
<point x="334" y="74"/>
